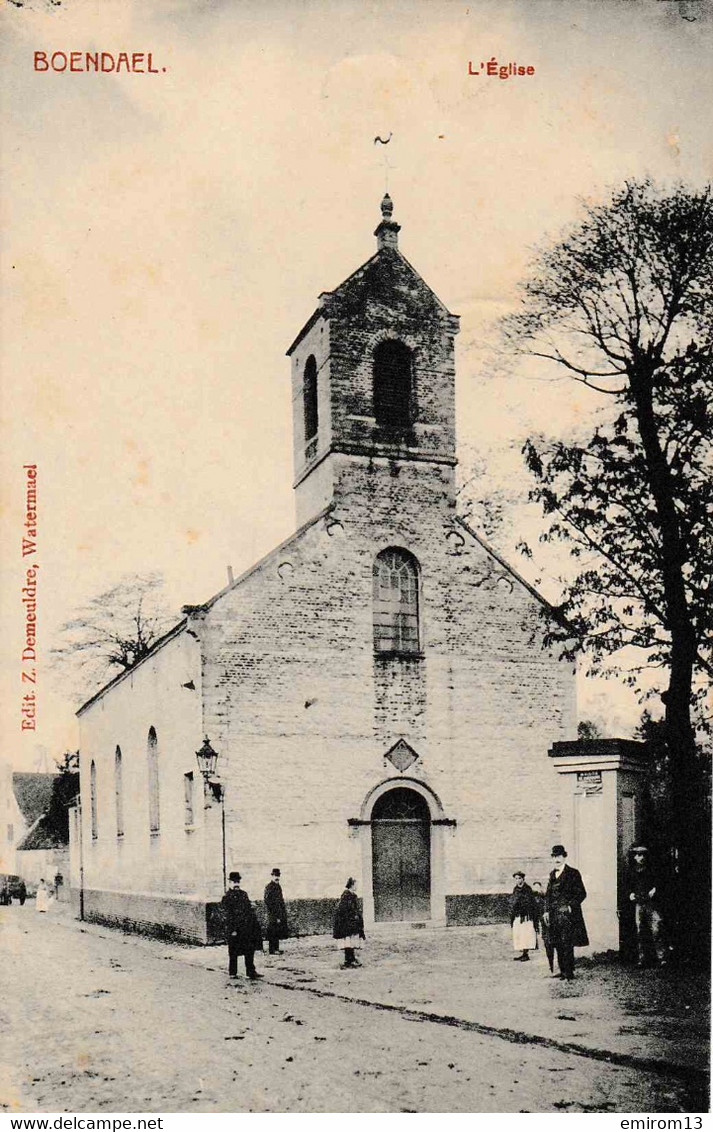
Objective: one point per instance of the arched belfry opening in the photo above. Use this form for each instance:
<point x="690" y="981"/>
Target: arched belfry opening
<point x="373" y="376"/>
<point x="401" y="856"/>
<point x="393" y="385"/>
<point x="310" y="403"/>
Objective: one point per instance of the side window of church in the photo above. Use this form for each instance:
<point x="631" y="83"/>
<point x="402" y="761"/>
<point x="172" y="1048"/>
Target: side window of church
<point x="119" y="787"/>
<point x="188" y="813"/>
<point x="396" y="627"/>
<point x="93" y="799"/>
<point x="393" y="385"/>
<point x="154" y="812"/>
<point x="311" y="406"/>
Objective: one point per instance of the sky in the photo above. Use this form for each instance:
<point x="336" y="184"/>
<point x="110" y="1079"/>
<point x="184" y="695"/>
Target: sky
<point x="168" y="234"/>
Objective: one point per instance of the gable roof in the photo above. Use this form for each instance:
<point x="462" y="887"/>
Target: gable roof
<point x="266" y="558"/>
<point x="382" y="257"/>
<point x="158" y="644"/>
<point x="368" y="271"/>
<point x="549" y="608"/>
<point x="183" y="624"/>
<point x="33" y="793"/>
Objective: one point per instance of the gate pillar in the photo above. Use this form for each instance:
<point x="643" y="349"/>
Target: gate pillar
<point x="602" y="815"/>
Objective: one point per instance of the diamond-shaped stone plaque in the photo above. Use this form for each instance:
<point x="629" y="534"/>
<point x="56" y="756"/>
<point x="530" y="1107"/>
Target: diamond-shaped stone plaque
<point x="401" y="755"/>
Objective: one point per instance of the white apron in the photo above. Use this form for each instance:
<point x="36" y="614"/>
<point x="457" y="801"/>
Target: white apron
<point x="353" y="941"/>
<point x="523" y="935"/>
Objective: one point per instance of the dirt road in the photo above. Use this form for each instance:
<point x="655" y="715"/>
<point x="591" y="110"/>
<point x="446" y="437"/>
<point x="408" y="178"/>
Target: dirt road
<point x="99" y="1021"/>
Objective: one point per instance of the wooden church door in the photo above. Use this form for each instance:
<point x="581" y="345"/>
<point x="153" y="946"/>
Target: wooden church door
<point x="401" y="852"/>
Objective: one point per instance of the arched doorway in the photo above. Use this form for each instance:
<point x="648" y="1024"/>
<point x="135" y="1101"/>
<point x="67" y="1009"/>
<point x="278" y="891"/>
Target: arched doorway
<point x="401" y="856"/>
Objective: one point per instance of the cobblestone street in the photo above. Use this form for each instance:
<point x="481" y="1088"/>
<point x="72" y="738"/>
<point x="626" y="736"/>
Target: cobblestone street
<point x="434" y="1022"/>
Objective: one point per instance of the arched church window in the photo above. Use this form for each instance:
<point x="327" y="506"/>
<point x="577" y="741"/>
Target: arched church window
<point x="93" y="799"/>
<point x="396" y="602"/>
<point x="119" y="791"/>
<point x="154" y="812"/>
<point x="393" y="385"/>
<point x="311" y="406"/>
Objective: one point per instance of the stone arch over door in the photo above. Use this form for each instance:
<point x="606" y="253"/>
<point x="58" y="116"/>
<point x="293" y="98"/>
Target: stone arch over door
<point x="401" y="829"/>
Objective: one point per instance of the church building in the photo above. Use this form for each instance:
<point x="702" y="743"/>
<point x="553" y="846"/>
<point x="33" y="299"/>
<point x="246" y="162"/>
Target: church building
<point x="376" y="688"/>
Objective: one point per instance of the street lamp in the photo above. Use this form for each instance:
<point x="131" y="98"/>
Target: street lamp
<point x="207" y="759"/>
<point x="213" y="789"/>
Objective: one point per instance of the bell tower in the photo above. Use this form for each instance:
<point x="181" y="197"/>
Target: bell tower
<point x="373" y="378"/>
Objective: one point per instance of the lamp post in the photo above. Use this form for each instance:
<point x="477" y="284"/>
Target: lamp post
<point x="77" y="818"/>
<point x="213" y="789"/>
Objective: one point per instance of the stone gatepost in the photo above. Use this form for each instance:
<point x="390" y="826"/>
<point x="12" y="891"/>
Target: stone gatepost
<point x="602" y="815"/>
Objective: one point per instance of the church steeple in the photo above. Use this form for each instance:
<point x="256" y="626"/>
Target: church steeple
<point x="387" y="233"/>
<point x="373" y="379"/>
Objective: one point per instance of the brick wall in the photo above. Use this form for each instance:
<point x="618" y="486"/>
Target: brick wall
<point x="303" y="713"/>
<point x="171" y="918"/>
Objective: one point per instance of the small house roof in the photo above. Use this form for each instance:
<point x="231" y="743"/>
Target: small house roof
<point x="33" y="793"/>
<point x="41" y="836"/>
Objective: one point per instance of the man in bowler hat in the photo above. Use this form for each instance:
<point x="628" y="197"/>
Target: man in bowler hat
<point x="276" y="913"/>
<point x="242" y="929"/>
<point x="563" y="911"/>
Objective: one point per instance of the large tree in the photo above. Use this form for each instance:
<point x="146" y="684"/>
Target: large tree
<point x="624" y="304"/>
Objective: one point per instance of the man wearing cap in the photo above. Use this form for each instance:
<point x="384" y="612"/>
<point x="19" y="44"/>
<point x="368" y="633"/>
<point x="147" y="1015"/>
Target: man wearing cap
<point x="563" y="915"/>
<point x="644" y="895"/>
<point x="242" y="929"/>
<point x="523" y="918"/>
<point x="276" y="913"/>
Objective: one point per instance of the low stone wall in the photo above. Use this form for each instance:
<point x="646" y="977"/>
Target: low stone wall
<point x="173" y="918"/>
<point x="189" y="919"/>
<point x="305" y="917"/>
<point x="478" y="908"/>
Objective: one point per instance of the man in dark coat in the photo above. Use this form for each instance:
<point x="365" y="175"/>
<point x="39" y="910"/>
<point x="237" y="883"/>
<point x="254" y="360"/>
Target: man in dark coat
<point x="563" y="915"/>
<point x="242" y="929"/>
<point x="644" y="894"/>
<point x="276" y="913"/>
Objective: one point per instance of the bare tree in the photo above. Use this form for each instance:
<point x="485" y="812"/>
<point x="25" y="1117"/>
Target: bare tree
<point x="111" y="633"/>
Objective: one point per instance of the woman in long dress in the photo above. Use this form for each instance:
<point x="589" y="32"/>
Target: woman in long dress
<point x="523" y="918"/>
<point x="42" y="900"/>
<point x="349" y="925"/>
